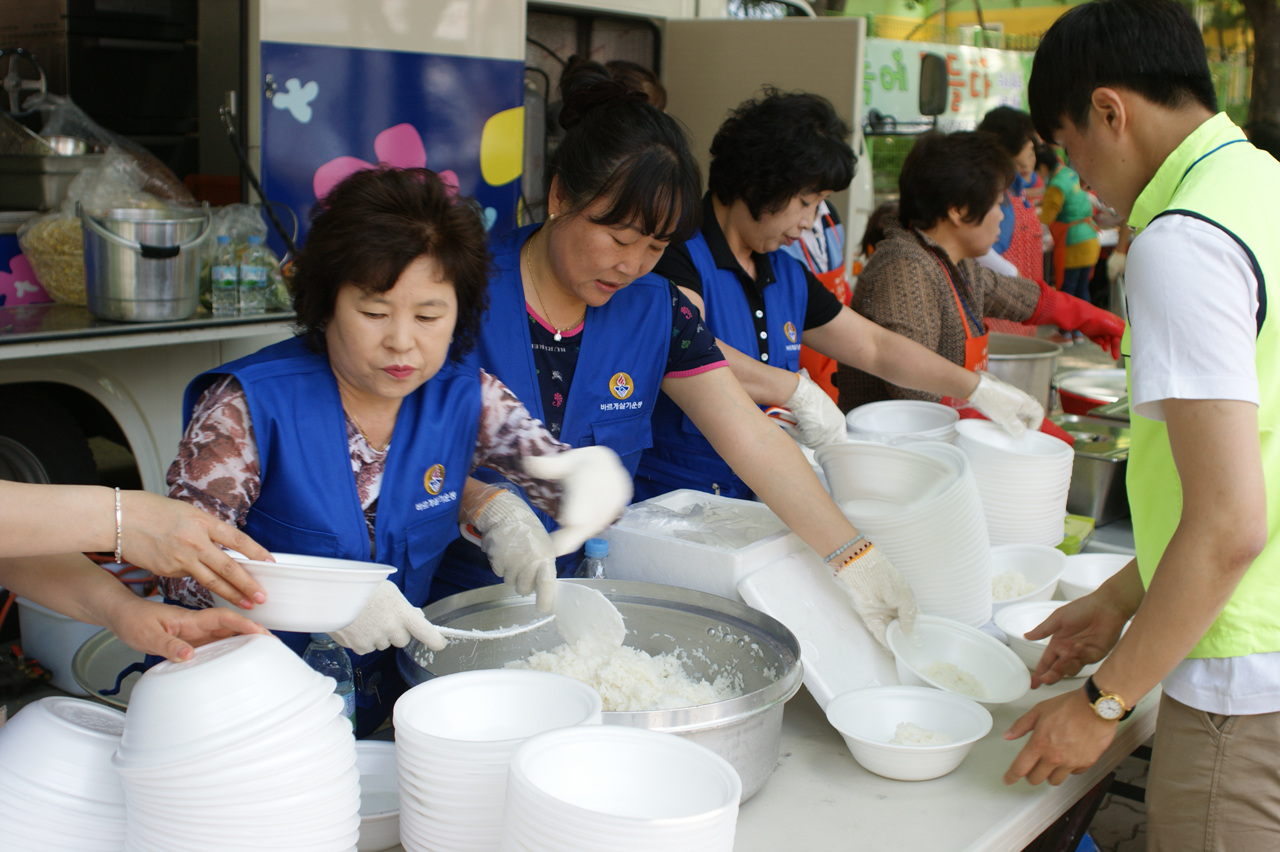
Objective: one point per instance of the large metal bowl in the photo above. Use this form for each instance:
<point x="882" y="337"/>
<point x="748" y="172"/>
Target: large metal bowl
<point x="708" y="633"/>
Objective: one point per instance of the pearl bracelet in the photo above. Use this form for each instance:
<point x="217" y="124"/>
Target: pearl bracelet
<point x="119" y="557"/>
<point x="848" y="544"/>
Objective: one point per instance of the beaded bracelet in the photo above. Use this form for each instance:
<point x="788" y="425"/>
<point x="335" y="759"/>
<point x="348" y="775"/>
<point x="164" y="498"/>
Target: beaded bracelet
<point x="855" y="556"/>
<point x="848" y="544"/>
<point x="119" y="557"/>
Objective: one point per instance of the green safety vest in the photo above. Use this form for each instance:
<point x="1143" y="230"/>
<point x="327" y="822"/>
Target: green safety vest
<point x="1215" y="175"/>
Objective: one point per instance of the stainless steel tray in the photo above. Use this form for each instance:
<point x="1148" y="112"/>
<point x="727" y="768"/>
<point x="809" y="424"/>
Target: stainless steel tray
<point x="30" y="182"/>
<point x="1098" y="472"/>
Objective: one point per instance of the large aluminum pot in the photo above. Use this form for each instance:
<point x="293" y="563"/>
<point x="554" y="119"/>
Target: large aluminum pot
<point x="1024" y="362"/>
<point x="711" y="635"/>
<point x="143" y="265"/>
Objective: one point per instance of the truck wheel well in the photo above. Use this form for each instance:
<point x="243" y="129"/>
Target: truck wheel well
<point x="53" y="423"/>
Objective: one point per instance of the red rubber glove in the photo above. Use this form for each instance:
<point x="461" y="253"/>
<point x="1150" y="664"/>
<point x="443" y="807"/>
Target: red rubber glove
<point x="1057" y="308"/>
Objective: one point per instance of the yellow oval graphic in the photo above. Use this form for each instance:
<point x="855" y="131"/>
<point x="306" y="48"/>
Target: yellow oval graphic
<point x="434" y="479"/>
<point x="621" y="385"/>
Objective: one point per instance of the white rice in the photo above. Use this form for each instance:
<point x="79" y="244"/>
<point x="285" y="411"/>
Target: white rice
<point x="630" y="680"/>
<point x="909" y="733"/>
<point x="952" y="677"/>
<point x="1008" y="585"/>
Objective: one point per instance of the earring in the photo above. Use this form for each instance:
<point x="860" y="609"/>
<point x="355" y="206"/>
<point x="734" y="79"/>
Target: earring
<point x="550" y="218"/>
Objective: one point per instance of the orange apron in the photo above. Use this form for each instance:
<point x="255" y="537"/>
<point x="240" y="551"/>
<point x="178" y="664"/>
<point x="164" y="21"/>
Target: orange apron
<point x="822" y="369"/>
<point x="975" y="345"/>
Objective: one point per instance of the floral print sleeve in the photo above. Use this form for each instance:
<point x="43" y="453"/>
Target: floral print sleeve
<point x="216" y="470"/>
<point x="507" y="434"/>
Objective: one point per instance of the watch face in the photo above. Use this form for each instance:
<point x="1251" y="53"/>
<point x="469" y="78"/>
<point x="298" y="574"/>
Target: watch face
<point x="1109" y="708"/>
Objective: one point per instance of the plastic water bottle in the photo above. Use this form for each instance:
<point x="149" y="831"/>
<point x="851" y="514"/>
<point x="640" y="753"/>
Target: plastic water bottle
<point x="255" y="276"/>
<point x="226" y="295"/>
<point x="331" y="660"/>
<point x="592" y="567"/>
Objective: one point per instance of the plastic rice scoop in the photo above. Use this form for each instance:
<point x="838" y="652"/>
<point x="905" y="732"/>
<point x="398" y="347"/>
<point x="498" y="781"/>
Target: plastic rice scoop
<point x="584" y="615"/>
<point x="496" y="633"/>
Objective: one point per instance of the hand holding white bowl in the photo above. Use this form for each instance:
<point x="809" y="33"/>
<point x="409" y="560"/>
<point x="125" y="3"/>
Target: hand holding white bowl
<point x="388" y="619"/>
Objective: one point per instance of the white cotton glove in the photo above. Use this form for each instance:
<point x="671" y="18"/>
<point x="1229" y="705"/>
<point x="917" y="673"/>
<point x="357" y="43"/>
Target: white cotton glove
<point x="879" y="593"/>
<point x="819" y="421"/>
<point x="518" y="547"/>
<point x="595" y="488"/>
<point x="388" y="619"/>
<point x="1012" y="409"/>
<point x="1115" y="265"/>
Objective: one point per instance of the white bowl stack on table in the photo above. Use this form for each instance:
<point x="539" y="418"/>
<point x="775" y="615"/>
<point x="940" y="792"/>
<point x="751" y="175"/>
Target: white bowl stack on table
<point x="919" y="503"/>
<point x="1023" y="481"/>
<point x="615" y="789"/>
<point x="902" y="421"/>
<point x="58" y="790"/>
<point x="379" y="796"/>
<point x="455" y="736"/>
<point x="243" y="746"/>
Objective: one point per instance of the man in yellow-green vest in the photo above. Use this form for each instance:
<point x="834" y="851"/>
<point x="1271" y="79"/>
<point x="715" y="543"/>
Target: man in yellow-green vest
<point x="1123" y="85"/>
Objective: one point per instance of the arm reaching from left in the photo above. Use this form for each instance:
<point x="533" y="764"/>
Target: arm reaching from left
<point x="74" y="586"/>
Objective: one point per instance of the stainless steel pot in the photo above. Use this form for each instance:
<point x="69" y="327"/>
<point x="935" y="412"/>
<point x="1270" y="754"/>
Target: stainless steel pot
<point x="143" y="265"/>
<point x="1024" y="362"/>
<point x="708" y="633"/>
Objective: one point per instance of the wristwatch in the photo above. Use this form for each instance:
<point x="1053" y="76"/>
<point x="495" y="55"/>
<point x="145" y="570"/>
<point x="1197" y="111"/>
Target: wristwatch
<point x="1107" y="705"/>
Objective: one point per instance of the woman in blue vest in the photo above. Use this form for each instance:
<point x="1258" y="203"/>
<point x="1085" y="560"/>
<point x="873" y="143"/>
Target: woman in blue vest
<point x="773" y="162"/>
<point x="355" y="439"/>
<point x="579" y="329"/>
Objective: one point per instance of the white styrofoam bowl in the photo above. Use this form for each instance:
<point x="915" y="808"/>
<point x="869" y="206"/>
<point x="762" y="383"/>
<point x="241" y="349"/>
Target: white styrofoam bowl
<point x="901" y="421"/>
<point x="867" y="719"/>
<point x="1085" y="572"/>
<point x="1016" y="620"/>
<point x="1040" y="564"/>
<point x="309" y="594"/>
<point x="379" y="795"/>
<point x="940" y="640"/>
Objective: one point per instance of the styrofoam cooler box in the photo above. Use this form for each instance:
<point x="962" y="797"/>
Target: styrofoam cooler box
<point x="642" y="551"/>
<point x="53" y="639"/>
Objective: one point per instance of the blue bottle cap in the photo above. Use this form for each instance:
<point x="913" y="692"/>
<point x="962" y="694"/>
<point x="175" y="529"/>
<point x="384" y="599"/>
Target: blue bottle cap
<point x="597" y="548"/>
<point x="319" y="637"/>
<point x="223" y="239"/>
<point x="255" y="240"/>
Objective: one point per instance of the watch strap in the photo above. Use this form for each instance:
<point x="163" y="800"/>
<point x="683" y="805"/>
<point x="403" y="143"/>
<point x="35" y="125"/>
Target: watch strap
<point x="1093" y="693"/>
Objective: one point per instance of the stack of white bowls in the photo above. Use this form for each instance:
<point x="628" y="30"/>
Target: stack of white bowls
<point x="454" y="739"/>
<point x="243" y="746"/>
<point x="58" y="791"/>
<point x="902" y="421"/>
<point x="1023" y="481"/>
<point x="615" y="789"/>
<point x="919" y="504"/>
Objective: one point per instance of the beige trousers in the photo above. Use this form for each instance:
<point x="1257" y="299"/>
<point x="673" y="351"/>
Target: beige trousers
<point x="1214" y="784"/>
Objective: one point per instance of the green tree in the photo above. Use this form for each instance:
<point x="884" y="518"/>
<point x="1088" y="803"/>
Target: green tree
<point x="1264" y="97"/>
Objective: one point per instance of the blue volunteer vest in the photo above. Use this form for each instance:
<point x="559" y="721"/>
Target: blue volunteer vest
<point x="625" y="344"/>
<point x="681" y="457"/>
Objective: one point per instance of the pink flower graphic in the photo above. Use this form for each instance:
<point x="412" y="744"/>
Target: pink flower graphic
<point x="19" y="286"/>
<point x="399" y="146"/>
<point x="557" y="400"/>
<point x="688" y="314"/>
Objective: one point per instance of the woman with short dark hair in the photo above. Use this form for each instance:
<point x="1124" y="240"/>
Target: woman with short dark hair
<point x="924" y="281"/>
<point x="774" y="160"/>
<point x="356" y="438"/>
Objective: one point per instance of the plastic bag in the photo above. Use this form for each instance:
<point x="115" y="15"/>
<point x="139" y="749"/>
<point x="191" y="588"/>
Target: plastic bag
<point x="54" y="242"/>
<point x="63" y="118"/>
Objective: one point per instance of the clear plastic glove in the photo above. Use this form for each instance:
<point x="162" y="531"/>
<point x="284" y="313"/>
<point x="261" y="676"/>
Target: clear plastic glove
<point x="595" y="488"/>
<point x="518" y="547"/>
<point x="1013" y="409"/>
<point x="879" y="593"/>
<point x="388" y="619"/>
<point x="1115" y="266"/>
<point x="819" y="421"/>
